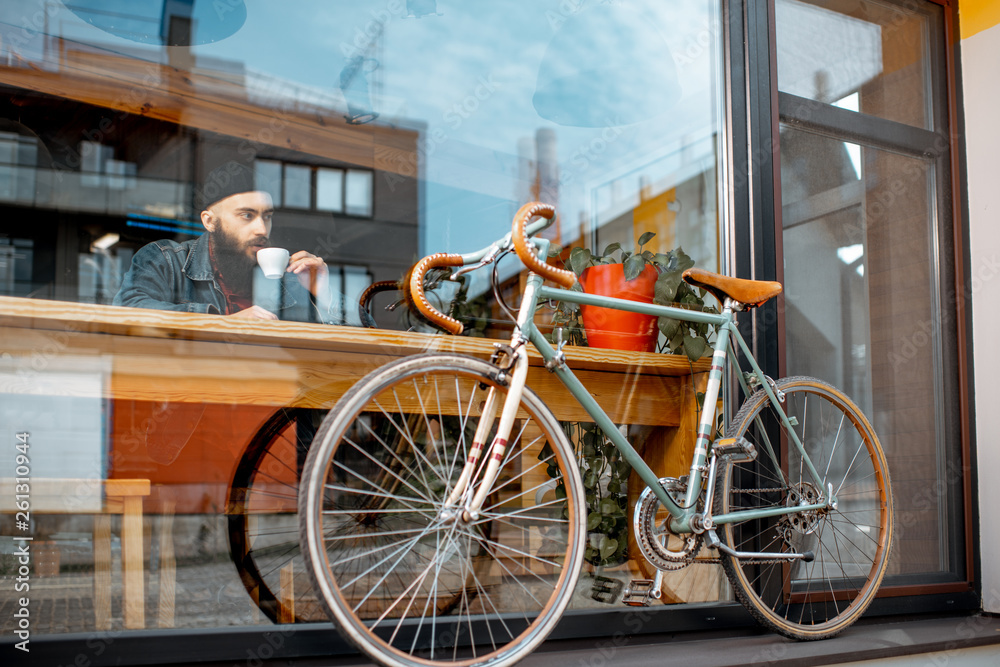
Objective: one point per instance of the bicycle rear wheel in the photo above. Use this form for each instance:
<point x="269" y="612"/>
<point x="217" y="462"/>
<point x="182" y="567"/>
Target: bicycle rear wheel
<point x="262" y="518"/>
<point x="851" y="542"/>
<point x="406" y="581"/>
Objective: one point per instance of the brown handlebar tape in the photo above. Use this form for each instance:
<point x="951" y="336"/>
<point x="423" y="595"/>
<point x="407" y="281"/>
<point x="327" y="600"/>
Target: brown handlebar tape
<point x="526" y="250"/>
<point x="416" y="291"/>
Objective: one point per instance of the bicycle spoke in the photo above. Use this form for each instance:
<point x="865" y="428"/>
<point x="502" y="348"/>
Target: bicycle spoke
<point x="410" y="576"/>
<point x="849" y="544"/>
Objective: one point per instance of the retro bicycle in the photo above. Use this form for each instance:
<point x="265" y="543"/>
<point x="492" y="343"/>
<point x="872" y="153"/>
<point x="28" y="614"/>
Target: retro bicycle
<point x="441" y="507"/>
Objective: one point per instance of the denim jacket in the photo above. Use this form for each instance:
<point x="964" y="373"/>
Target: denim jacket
<point x="166" y="275"/>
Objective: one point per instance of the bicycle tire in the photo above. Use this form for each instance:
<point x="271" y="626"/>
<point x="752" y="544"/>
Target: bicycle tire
<point x="851" y="542"/>
<point x="262" y="514"/>
<point x="512" y="580"/>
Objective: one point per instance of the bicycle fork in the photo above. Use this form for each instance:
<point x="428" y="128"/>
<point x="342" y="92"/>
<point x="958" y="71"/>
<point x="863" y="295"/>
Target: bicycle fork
<point x="488" y="473"/>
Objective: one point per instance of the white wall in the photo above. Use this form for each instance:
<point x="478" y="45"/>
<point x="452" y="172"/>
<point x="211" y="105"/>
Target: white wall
<point x="980" y="74"/>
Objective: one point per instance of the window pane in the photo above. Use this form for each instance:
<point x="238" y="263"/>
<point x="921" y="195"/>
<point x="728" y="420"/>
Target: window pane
<point x="443" y="123"/>
<point x="330" y="189"/>
<point x="359" y="192"/>
<point x="298" y="186"/>
<point x="267" y="177"/>
<point x="863" y="312"/>
<point x="830" y="50"/>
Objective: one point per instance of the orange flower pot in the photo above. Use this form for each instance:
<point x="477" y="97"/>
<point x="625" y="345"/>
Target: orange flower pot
<point x="618" y="329"/>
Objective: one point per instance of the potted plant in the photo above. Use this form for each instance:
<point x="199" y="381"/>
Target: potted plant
<point x="639" y="276"/>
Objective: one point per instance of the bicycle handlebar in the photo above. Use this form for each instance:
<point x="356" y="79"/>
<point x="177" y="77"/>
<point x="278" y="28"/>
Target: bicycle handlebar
<point x="526" y="252"/>
<point x="414" y="290"/>
<point x="525" y="249"/>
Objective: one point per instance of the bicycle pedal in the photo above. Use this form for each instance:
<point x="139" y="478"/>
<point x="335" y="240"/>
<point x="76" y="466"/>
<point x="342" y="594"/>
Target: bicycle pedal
<point x="639" y="591"/>
<point x="605" y="590"/>
<point x="736" y="449"/>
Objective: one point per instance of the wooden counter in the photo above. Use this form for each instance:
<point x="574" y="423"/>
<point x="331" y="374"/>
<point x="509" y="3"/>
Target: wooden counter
<point x="180" y="357"/>
<point x="188" y="393"/>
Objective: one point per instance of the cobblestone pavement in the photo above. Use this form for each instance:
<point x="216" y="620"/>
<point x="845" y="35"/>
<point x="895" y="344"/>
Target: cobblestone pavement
<point x="206" y="595"/>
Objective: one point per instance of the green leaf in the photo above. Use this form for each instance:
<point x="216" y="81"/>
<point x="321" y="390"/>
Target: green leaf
<point x="590" y="480"/>
<point x="645" y="238"/>
<point x="668" y="326"/>
<point x="663" y="259"/>
<point x="683" y="261"/>
<point x="666" y="287"/>
<point x="695" y="347"/>
<point x="612" y="247"/>
<point x="555" y="249"/>
<point x="545" y="452"/>
<point x="608" y="547"/>
<point x="594" y="520"/>
<point x="678" y="339"/>
<point x="561" y="491"/>
<point x="579" y="259"/>
<point x="634" y="266"/>
<point x="609" y="507"/>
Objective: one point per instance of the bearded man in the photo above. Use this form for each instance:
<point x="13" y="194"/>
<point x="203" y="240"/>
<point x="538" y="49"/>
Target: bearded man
<point x="215" y="272"/>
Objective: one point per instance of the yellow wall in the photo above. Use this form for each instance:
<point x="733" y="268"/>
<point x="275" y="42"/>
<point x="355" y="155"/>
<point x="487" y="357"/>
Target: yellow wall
<point x="977" y="15"/>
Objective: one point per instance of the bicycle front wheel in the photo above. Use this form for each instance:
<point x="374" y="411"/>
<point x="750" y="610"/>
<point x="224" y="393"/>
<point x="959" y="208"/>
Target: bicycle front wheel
<point x="408" y="580"/>
<point x="850" y="542"/>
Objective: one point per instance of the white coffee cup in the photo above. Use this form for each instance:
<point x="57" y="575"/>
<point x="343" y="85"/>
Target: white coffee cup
<point x="273" y="261"/>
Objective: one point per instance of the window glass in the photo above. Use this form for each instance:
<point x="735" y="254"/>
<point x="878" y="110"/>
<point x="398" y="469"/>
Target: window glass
<point x="267" y="176"/>
<point x="358" y="192"/>
<point x="868" y="253"/>
<point x="378" y="132"/>
<point x="880" y="51"/>
<point x="297" y="186"/>
<point x="330" y="189"/>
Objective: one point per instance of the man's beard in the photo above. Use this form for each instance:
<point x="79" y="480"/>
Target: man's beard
<point x="233" y="263"/>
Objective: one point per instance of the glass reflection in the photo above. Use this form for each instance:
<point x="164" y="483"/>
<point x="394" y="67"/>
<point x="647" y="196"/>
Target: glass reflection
<point x="383" y="131"/>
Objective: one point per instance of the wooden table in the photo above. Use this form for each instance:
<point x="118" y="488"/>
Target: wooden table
<point x="167" y="356"/>
<point x="181" y="358"/>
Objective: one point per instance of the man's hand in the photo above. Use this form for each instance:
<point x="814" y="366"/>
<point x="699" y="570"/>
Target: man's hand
<point x="310" y="270"/>
<point x="254" y="313"/>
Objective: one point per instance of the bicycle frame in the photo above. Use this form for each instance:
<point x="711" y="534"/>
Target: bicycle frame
<point x="685" y="518"/>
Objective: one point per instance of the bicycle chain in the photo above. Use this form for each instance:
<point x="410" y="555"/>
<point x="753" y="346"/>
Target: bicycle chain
<point x="779" y="489"/>
<point x="753" y="561"/>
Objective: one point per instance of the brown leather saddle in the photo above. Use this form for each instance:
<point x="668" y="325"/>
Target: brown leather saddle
<point x="748" y="292"/>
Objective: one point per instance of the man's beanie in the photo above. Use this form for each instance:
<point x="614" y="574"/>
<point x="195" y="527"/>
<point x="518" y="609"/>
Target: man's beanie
<point x="229" y="178"/>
